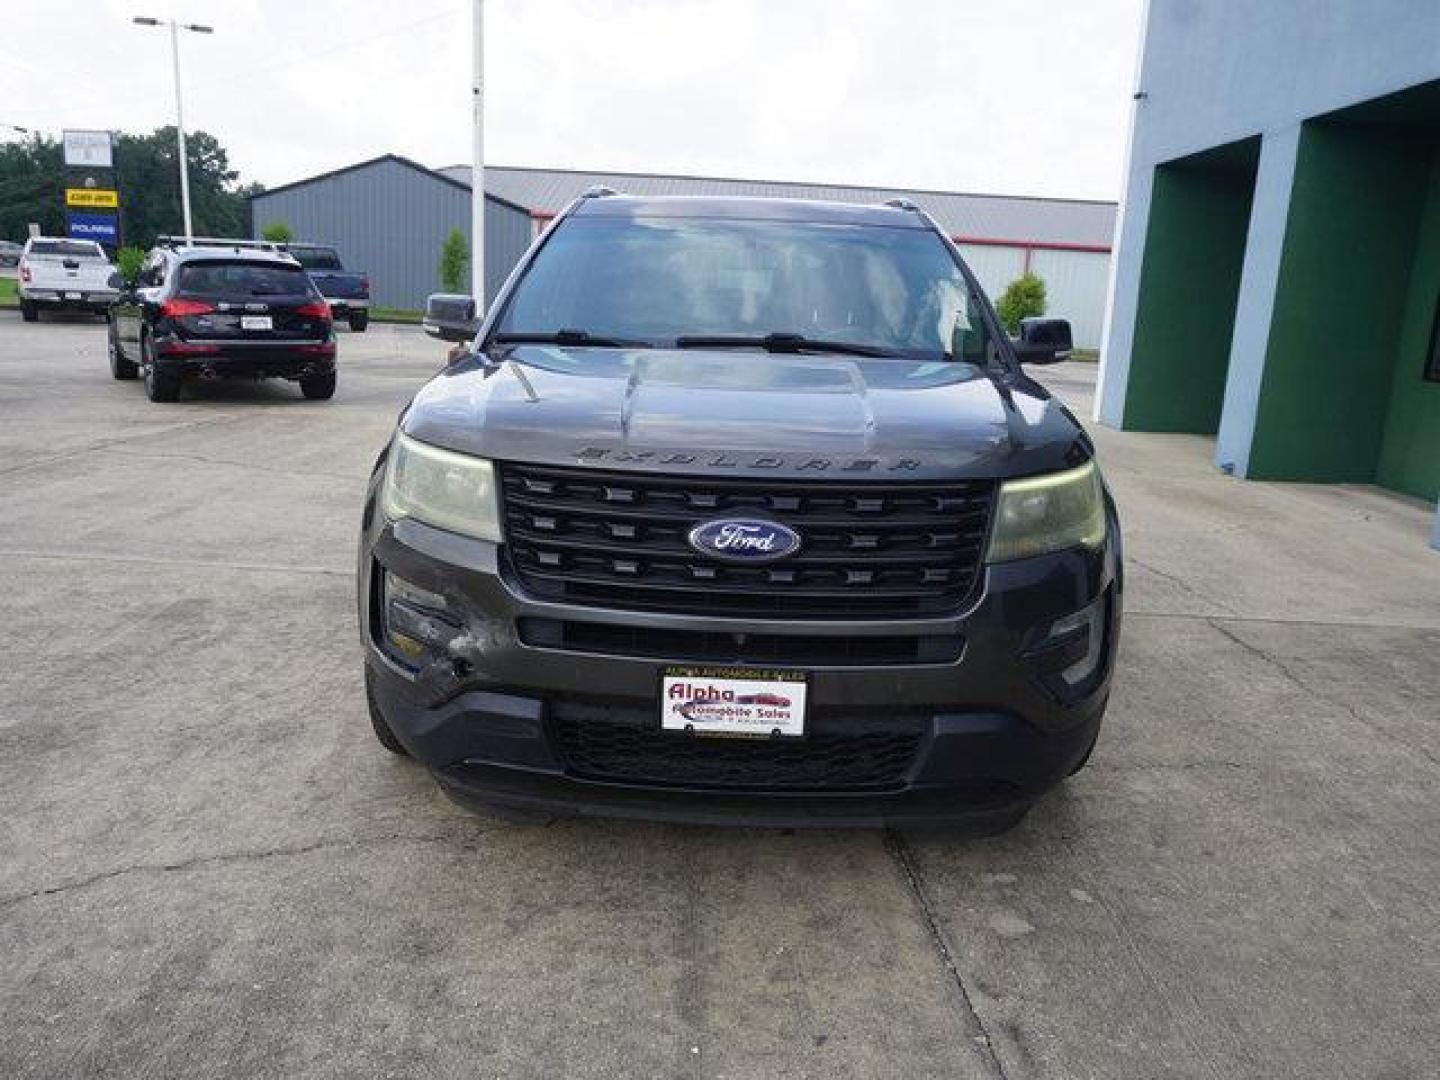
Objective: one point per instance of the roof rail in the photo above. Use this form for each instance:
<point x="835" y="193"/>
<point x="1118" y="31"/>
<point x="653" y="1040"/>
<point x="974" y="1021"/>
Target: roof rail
<point x="902" y="204"/>
<point x="215" y="241"/>
<point x="598" y="191"/>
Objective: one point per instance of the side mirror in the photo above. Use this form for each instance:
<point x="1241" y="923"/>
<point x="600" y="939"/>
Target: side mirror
<point x="1043" y="341"/>
<point x="116" y="281"/>
<point x="450" y="317"/>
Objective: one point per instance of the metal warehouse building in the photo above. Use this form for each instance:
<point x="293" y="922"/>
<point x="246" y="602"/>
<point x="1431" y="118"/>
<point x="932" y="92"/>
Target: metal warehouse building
<point x="1277" y="275"/>
<point x="389" y="216"/>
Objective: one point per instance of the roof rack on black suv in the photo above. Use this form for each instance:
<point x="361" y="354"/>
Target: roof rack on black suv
<point x="215" y="242"/>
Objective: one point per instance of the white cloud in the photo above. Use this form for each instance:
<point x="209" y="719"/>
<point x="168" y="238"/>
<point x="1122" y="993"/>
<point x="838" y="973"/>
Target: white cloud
<point x="974" y="95"/>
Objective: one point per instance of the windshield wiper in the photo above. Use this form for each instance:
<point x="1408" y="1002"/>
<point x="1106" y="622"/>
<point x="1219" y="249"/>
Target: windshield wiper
<point x="780" y="343"/>
<point x="567" y="337"/>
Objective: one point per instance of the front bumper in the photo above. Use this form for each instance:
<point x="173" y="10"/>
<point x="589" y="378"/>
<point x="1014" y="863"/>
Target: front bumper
<point x="490" y="716"/>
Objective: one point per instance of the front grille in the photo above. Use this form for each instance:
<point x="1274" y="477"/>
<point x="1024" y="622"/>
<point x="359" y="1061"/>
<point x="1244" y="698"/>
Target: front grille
<point x="869" y="549"/>
<point x="610" y="742"/>
<point x="803" y="650"/>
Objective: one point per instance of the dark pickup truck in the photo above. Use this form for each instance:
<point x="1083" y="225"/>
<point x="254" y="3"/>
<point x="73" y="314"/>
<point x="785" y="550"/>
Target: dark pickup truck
<point x="346" y="291"/>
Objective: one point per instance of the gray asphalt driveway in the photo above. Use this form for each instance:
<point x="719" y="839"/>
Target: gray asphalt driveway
<point x="208" y="868"/>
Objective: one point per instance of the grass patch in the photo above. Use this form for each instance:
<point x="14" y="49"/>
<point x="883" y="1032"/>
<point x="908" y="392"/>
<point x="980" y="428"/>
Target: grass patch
<point x="395" y="315"/>
<point x="1085" y="356"/>
<point x="9" y="292"/>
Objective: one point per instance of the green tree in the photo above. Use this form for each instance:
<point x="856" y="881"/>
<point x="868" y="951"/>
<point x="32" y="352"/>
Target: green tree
<point x="128" y="261"/>
<point x="1024" y="298"/>
<point x="277" y="232"/>
<point x="455" y="263"/>
<point x="32" y="187"/>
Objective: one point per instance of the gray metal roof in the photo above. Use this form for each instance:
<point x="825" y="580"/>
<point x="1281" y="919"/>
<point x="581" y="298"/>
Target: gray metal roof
<point x="1018" y="219"/>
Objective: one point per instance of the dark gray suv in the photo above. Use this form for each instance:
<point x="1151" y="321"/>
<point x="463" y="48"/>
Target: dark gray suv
<point x="741" y="510"/>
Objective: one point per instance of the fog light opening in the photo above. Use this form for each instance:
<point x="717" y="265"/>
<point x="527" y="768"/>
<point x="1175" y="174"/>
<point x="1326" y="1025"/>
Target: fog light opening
<point x="1090" y="621"/>
<point x="415" y="621"/>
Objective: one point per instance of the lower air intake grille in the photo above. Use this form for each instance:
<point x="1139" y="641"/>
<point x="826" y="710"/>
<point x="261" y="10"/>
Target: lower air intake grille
<point x="603" y="742"/>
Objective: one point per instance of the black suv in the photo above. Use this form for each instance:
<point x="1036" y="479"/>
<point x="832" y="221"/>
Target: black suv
<point x="741" y="511"/>
<point x="213" y="311"/>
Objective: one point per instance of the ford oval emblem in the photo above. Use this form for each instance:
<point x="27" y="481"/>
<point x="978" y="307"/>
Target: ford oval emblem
<point x="744" y="539"/>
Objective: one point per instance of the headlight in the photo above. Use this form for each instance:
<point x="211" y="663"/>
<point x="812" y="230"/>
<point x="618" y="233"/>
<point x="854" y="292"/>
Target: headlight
<point x="441" y="488"/>
<point x="1048" y="513"/>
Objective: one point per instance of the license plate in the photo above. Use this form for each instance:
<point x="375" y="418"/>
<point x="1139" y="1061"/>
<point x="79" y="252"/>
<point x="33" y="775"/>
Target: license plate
<point x="256" y="322"/>
<point x="733" y="701"/>
<point x="72" y="296"/>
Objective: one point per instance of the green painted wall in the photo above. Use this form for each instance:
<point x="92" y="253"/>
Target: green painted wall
<point x="1410" y="448"/>
<point x="1189" y="279"/>
<point x="1341" y="301"/>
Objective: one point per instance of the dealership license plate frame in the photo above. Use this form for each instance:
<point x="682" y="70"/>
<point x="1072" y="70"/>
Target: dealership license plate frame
<point x="256" y="322"/>
<point x="778" y="681"/>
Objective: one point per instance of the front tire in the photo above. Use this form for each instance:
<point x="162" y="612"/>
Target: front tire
<point x="359" y="321"/>
<point x="160" y="386"/>
<point x="29" y="311"/>
<point x="121" y="367"/>
<point x="318" y="387"/>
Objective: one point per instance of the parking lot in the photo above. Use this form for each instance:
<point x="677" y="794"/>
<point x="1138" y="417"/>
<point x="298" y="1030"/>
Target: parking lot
<point x="209" y="868"/>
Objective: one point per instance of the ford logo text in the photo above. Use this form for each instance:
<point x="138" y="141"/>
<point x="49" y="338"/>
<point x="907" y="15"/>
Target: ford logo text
<point x="744" y="539"/>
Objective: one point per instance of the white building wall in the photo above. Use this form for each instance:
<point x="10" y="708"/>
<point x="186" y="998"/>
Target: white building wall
<point x="1216" y="71"/>
<point x="1075" y="285"/>
<point x="1075" y="282"/>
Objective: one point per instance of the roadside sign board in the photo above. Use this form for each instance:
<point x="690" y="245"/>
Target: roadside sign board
<point x="93" y="198"/>
<point x="88" y="150"/>
<point x="102" y="228"/>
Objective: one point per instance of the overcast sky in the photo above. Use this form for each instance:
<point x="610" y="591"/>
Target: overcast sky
<point x="968" y="95"/>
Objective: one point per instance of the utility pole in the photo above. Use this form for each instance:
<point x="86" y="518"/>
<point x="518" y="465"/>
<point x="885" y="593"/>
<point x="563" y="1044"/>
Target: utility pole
<point x="477" y="165"/>
<point x="175" y="28"/>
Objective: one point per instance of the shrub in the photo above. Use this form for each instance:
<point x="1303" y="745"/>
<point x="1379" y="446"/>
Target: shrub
<point x="1024" y="298"/>
<point x="277" y="232"/>
<point x="455" y="263"/>
<point x="128" y="261"/>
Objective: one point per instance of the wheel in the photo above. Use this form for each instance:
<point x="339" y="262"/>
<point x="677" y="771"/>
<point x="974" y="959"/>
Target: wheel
<point x="29" y="311"/>
<point x="379" y="723"/>
<point x="359" y="320"/>
<point x="318" y="387"/>
<point x="163" y="386"/>
<point x="120" y="366"/>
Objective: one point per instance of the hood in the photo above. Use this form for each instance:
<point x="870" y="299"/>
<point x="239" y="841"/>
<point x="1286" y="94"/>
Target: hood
<point x="745" y="413"/>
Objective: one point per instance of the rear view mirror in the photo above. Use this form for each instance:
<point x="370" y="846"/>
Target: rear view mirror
<point x="115" y="281"/>
<point x="450" y="317"/>
<point x="1043" y="341"/>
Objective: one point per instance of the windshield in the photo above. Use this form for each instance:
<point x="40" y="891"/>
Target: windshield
<point x="74" y="249"/>
<point x="656" y="280"/>
<point x="242" y="280"/>
<point x="316" y="258"/>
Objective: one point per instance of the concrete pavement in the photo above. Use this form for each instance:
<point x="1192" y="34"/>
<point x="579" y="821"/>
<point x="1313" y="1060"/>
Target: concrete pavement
<point x="208" y="868"/>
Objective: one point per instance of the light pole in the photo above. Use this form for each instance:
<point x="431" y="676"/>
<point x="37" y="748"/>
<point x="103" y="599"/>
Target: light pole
<point x="175" y="28"/>
<point x="477" y="165"/>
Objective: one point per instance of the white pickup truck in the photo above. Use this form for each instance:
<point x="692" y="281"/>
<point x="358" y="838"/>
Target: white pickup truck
<point x="58" y="274"/>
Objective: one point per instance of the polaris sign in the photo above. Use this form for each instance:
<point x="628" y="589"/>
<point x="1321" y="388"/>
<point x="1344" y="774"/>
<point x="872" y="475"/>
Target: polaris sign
<point x="102" y="228"/>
